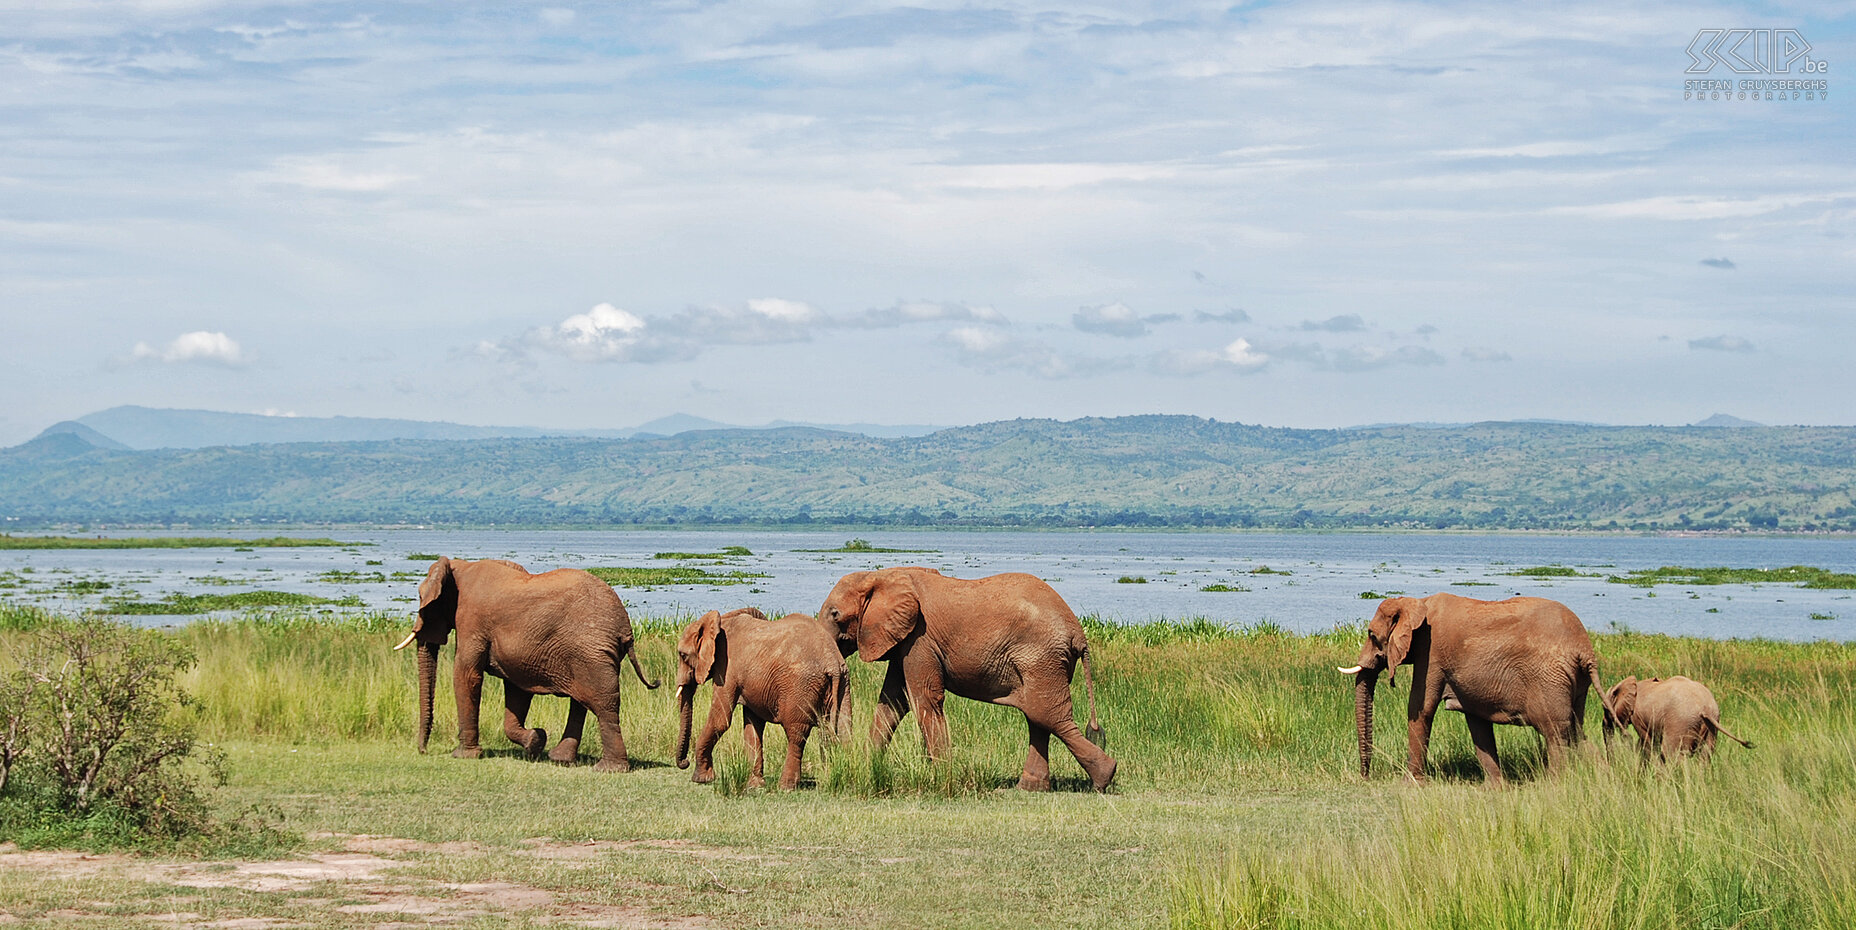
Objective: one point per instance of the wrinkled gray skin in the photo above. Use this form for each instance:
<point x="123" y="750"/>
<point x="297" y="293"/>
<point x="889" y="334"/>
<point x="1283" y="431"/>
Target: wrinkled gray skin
<point x="1006" y="639"/>
<point x="1525" y="660"/>
<point x="562" y="632"/>
<point x="1673" y="716"/>
<point x="787" y="672"/>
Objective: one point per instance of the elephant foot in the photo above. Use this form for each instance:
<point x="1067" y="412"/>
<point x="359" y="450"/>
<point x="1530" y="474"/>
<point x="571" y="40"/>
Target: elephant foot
<point x="566" y="752"/>
<point x="703" y="776"/>
<point x="474" y="752"/>
<point x="613" y="765"/>
<point x="1028" y="783"/>
<point x="756" y="781"/>
<point x="536" y="743"/>
<point x="1103" y="774"/>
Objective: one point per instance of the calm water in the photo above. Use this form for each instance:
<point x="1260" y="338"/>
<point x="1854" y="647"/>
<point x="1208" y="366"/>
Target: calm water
<point x="1327" y="572"/>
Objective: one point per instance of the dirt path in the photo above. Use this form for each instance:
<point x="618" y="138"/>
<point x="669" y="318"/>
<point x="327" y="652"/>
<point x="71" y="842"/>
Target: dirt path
<point x="356" y="886"/>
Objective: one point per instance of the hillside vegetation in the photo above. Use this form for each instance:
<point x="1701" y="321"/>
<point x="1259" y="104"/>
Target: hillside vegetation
<point x="1141" y="471"/>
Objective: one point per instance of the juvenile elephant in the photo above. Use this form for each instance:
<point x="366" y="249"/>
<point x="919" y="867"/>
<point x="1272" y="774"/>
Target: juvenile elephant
<point x="1675" y="716"/>
<point x="562" y="632"/>
<point x="1007" y="639"/>
<point x="1525" y="660"/>
<point x="787" y="672"/>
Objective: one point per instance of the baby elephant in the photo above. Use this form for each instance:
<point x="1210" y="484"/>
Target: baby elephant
<point x="787" y="672"/>
<point x="1676" y="715"/>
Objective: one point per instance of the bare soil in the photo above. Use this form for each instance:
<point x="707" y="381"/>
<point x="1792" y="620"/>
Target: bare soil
<point x="366" y="883"/>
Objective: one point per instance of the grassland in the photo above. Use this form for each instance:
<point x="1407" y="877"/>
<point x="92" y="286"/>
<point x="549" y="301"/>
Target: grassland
<point x="1238" y="804"/>
<point x="653" y="577"/>
<point x="8" y="541"/>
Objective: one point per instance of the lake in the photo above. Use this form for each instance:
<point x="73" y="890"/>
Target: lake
<point x="1315" y="580"/>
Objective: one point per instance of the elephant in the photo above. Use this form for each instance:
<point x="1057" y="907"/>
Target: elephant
<point x="787" y="672"/>
<point x="1525" y="661"/>
<point x="562" y="632"/>
<point x="1674" y="716"/>
<point x="1006" y="639"/>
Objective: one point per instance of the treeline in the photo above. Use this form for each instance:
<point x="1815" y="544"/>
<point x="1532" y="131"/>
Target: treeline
<point x="1129" y="471"/>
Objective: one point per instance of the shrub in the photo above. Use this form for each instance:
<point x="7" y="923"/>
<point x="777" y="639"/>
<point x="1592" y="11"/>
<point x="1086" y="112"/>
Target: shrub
<point x="94" y="738"/>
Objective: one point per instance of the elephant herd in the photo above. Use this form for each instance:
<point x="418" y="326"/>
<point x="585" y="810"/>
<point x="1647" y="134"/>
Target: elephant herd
<point x="1005" y="639"/>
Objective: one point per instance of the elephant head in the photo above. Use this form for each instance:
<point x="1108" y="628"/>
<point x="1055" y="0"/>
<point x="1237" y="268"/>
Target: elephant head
<point x="1388" y="642"/>
<point x="1620" y="705"/>
<point x="438" y="610"/>
<point x="873" y="611"/>
<point x="702" y="655"/>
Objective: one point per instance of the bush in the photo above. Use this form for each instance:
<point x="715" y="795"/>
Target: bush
<point x="92" y="735"/>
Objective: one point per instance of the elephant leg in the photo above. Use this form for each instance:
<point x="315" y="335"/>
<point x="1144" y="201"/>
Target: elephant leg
<point x="567" y="751"/>
<point x="796" y="735"/>
<point x="1482" y="734"/>
<point x="892" y="705"/>
<point x="1427" y="692"/>
<point x="1048" y="711"/>
<point x="752" y="729"/>
<point x="721" y="714"/>
<point x="922" y="672"/>
<point x="515" y="718"/>
<point x="597" y="689"/>
<point x="467" y="684"/>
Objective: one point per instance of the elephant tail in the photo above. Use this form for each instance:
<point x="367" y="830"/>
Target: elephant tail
<point x="648" y="683"/>
<point x="1093" y="732"/>
<point x="1716" y="724"/>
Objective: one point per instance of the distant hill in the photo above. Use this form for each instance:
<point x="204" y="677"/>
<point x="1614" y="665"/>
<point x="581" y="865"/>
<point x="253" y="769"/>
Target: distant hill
<point x="1132" y="471"/>
<point x="1722" y="419"/>
<point x="132" y="427"/>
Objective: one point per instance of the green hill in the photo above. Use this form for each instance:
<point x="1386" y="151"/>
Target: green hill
<point x="1142" y="471"/>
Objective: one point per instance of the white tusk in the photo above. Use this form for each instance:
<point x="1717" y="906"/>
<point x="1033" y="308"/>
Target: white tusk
<point x="406" y="642"/>
<point x="1351" y="671"/>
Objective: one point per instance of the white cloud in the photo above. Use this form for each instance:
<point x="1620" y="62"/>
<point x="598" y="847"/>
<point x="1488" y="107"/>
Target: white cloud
<point x="1721" y="343"/>
<point x="326" y="174"/>
<point x="602" y="334"/>
<point x="784" y="311"/>
<point x="904" y="312"/>
<point x="1367" y="358"/>
<point x="1110" y="320"/>
<point x="1238" y="355"/>
<point x="199" y="346"/>
<point x="996" y="350"/>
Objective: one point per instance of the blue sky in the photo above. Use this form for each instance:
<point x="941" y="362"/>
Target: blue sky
<point x="595" y="215"/>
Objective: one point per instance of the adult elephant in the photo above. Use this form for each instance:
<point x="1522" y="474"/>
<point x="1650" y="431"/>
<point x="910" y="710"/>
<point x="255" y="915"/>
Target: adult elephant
<point x="1007" y="639"/>
<point x="562" y="632"/>
<point x="1525" y="660"/>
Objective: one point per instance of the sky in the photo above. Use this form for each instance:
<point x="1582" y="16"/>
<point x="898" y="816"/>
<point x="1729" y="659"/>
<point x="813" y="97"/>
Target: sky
<point x="595" y="215"/>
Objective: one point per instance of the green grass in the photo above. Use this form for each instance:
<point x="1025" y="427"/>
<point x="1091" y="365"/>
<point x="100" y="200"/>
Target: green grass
<point x="1549" y="571"/>
<point x="337" y="576"/>
<point x="162" y="542"/>
<point x="1131" y="579"/>
<point x="863" y="545"/>
<point x="727" y="552"/>
<point x="1803" y="576"/>
<point x="1238" y="803"/>
<point x="1266" y="570"/>
<point x="1221" y="587"/>
<point x="672" y="575"/>
<point x="176" y="604"/>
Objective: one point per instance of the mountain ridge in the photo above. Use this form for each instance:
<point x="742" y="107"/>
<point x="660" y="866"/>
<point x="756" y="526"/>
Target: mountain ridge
<point x="1152" y="470"/>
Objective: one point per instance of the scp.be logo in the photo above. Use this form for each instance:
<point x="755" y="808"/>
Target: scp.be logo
<point x="1753" y="51"/>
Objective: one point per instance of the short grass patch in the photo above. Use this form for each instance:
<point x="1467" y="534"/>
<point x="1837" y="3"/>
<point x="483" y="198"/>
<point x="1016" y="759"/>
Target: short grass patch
<point x="664" y="576"/>
<point x="1804" y="576"/>
<point x="183" y="604"/>
<point x="726" y="552"/>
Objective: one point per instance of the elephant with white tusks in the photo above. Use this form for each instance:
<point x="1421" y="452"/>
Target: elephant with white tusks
<point x="562" y="632"/>
<point x="1525" y="660"/>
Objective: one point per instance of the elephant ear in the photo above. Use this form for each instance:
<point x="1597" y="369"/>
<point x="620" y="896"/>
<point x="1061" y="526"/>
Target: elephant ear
<point x="1624" y="700"/>
<point x="889" y="616"/>
<point x="709" y="636"/>
<point x="1410" y="615"/>
<point x="438" y="602"/>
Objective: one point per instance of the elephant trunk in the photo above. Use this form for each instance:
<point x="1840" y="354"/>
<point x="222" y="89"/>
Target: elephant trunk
<point x="428" y="679"/>
<point x="686" y="707"/>
<point x="1363" y="716"/>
